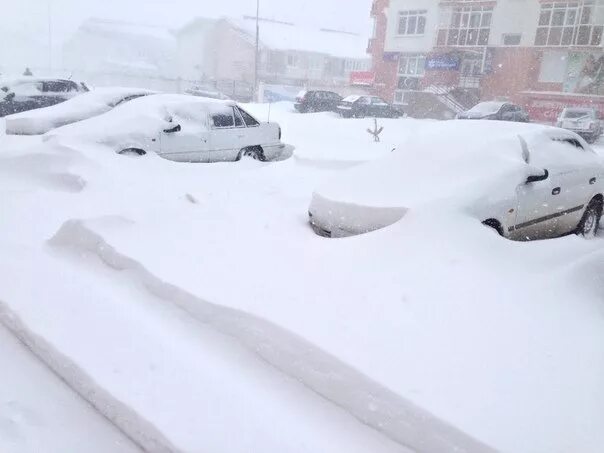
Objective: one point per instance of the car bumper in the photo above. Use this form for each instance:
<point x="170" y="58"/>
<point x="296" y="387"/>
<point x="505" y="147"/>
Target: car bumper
<point x="336" y="219"/>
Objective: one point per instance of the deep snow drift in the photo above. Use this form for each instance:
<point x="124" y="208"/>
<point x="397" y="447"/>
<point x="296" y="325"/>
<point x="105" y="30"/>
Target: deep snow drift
<point x="434" y="332"/>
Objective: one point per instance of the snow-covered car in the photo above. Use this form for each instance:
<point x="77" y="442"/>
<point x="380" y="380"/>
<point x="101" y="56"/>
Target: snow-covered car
<point x="86" y="105"/>
<point x="180" y="128"/>
<point x="495" y="110"/>
<point x="207" y="93"/>
<point x="28" y="93"/>
<point x="525" y="181"/>
<point x="355" y="106"/>
<point x="583" y="121"/>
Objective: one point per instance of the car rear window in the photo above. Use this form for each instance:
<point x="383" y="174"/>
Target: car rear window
<point x="249" y="120"/>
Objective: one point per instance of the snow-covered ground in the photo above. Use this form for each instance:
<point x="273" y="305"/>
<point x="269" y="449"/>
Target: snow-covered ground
<point x="197" y="310"/>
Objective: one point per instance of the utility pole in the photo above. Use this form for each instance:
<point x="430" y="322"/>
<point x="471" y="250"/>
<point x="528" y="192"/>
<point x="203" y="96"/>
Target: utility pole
<point x="49" y="17"/>
<point x="257" y="51"/>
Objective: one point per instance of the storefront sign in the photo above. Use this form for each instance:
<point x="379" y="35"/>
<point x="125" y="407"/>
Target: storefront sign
<point x="391" y="56"/>
<point x="362" y="78"/>
<point x="442" y="63"/>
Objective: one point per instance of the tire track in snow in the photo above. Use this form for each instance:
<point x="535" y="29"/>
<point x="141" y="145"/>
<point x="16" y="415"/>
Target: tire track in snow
<point x="324" y="374"/>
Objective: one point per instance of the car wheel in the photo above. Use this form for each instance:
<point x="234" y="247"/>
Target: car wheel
<point x="132" y="152"/>
<point x="311" y="109"/>
<point x="252" y="152"/>
<point x="589" y="224"/>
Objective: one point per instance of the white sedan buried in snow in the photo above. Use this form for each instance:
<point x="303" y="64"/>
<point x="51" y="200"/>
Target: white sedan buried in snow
<point x="80" y="107"/>
<point x="525" y="181"/>
<point x="180" y="128"/>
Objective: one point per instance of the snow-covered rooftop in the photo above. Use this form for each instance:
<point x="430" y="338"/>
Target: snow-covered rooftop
<point x="281" y="35"/>
<point x="289" y="36"/>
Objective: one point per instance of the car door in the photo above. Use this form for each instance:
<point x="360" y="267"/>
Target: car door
<point x="334" y="101"/>
<point x="578" y="177"/>
<point x="226" y="139"/>
<point x="551" y="207"/>
<point x="533" y="213"/>
<point x="379" y="107"/>
<point x="187" y="139"/>
<point x="362" y="107"/>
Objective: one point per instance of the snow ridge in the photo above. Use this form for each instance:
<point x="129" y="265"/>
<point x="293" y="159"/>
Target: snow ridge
<point x="324" y="374"/>
<point x="129" y="422"/>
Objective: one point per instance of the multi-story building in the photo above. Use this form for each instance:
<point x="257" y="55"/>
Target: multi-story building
<point x="224" y="49"/>
<point x="544" y="54"/>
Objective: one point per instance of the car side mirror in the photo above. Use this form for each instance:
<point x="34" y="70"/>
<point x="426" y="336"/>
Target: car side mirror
<point x="174" y="129"/>
<point x="537" y="178"/>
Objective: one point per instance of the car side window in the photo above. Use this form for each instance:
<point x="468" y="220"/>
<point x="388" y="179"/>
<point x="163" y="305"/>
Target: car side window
<point x="223" y="120"/>
<point x="238" y="118"/>
<point x="55" y="86"/>
<point x="248" y="119"/>
<point x="365" y="101"/>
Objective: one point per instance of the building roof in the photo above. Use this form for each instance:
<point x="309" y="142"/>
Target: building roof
<point x="288" y="36"/>
<point x="280" y="35"/>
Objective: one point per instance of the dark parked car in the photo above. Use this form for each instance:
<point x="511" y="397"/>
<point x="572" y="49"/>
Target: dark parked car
<point x="317" y="101"/>
<point x="362" y="106"/>
<point x="495" y="110"/>
<point x="28" y="93"/>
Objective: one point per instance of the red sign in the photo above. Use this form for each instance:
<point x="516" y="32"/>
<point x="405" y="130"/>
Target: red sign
<point x="546" y="107"/>
<point x="362" y="78"/>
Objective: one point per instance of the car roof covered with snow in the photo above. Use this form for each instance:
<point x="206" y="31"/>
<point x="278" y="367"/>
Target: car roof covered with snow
<point x="448" y="159"/>
<point x="136" y="122"/>
<point x="9" y="82"/>
<point x="83" y="106"/>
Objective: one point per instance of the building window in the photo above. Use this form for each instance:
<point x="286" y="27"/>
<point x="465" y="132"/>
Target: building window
<point x="511" y="39"/>
<point x="292" y="61"/>
<point x="568" y="23"/>
<point x="412" y="22"/>
<point x="411" y="65"/>
<point x="465" y="26"/>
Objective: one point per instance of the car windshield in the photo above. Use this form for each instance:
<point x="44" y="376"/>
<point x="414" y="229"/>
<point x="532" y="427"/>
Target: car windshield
<point x="486" y="108"/>
<point x="578" y="114"/>
<point x="316" y="226"/>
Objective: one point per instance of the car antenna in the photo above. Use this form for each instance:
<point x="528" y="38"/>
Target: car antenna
<point x="269" y="113"/>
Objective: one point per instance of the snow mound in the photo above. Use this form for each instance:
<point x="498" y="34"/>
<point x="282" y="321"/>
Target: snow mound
<point x="374" y="405"/>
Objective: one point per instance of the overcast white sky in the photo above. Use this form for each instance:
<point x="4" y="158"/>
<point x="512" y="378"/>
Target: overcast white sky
<point x="352" y="15"/>
<point x="24" y="29"/>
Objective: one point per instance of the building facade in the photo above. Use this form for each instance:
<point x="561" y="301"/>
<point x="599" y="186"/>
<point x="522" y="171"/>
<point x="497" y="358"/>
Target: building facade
<point x="543" y="54"/>
<point x="290" y="55"/>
